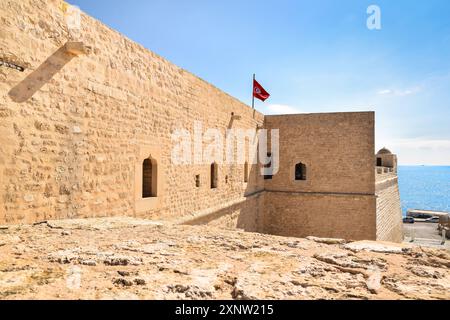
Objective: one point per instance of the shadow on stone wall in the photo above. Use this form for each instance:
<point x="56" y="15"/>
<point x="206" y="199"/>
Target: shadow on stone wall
<point x="43" y="74"/>
<point x="241" y="215"/>
<point x="247" y="214"/>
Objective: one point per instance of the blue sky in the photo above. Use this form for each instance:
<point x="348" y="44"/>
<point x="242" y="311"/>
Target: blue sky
<point x="312" y="56"/>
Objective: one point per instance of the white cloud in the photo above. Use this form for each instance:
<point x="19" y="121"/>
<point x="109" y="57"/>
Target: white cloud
<point x="385" y="92"/>
<point x="399" y="93"/>
<point x="419" y="150"/>
<point x="422" y="143"/>
<point x="272" y="109"/>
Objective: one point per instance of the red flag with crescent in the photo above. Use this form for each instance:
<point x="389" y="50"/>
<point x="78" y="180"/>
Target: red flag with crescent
<point x="259" y="92"/>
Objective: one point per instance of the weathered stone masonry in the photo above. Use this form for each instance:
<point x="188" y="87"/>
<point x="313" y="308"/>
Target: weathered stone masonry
<point x="75" y="131"/>
<point x="389" y="213"/>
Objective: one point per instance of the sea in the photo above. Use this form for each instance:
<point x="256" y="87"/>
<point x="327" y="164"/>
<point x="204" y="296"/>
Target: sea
<point x="424" y="187"/>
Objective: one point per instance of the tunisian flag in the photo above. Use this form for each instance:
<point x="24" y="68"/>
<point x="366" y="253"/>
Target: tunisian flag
<point x="259" y="92"/>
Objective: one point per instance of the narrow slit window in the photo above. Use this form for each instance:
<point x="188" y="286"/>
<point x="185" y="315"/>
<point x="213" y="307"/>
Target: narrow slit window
<point x="149" y="177"/>
<point x="214" y="174"/>
<point x="246" y="172"/>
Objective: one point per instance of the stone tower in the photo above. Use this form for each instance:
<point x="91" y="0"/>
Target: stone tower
<point x="385" y="158"/>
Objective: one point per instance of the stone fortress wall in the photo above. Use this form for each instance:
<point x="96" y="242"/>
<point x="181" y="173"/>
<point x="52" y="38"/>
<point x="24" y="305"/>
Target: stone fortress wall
<point x="75" y="131"/>
<point x="389" y="212"/>
<point x="337" y="197"/>
<point x="72" y="144"/>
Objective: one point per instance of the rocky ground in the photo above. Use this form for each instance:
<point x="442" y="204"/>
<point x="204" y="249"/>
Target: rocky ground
<point x="125" y="258"/>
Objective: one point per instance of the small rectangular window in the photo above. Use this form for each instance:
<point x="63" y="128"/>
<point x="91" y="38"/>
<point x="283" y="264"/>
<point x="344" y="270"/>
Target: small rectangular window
<point x="300" y="172"/>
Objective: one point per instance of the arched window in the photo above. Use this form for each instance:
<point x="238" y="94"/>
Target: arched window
<point x="149" y="176"/>
<point x="246" y="172"/>
<point x="214" y="174"/>
<point x="300" y="172"/>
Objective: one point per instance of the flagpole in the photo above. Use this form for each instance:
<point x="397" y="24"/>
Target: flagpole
<point x="253" y="91"/>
